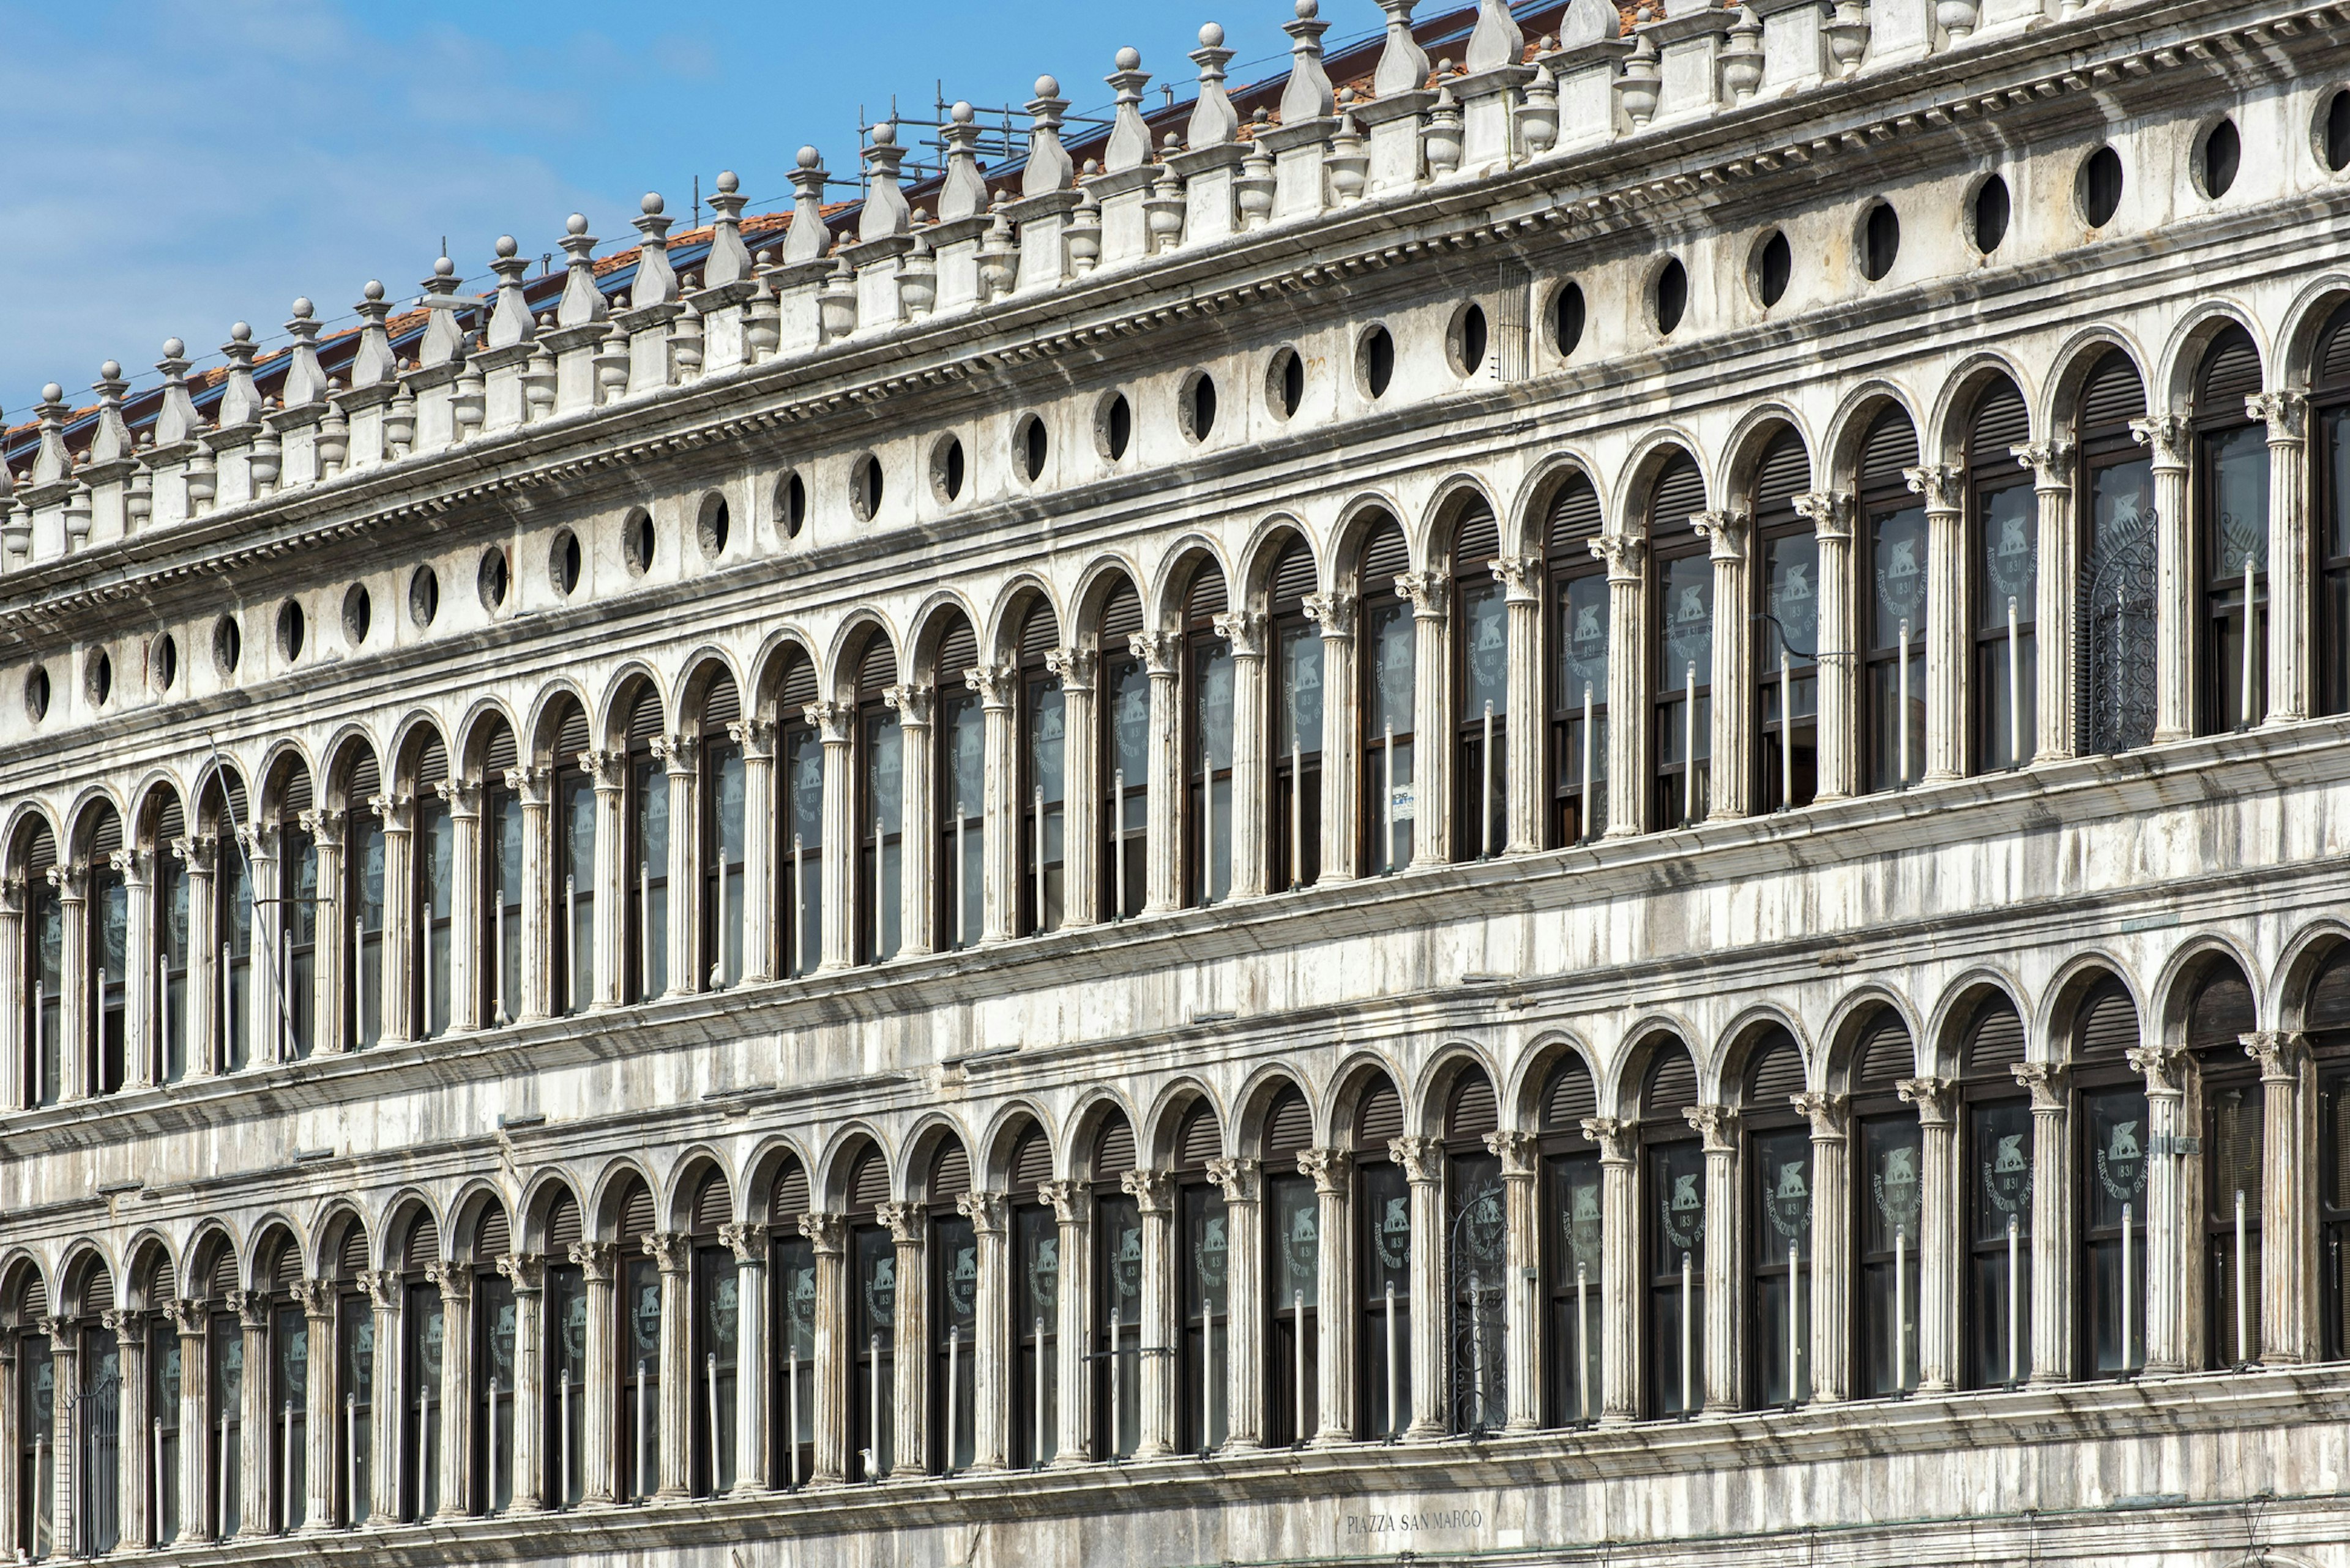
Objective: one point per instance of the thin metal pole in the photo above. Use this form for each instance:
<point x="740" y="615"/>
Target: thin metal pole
<point x="285" y="1469"/>
<point x="1686" y="1308"/>
<point x="2247" y="662"/>
<point x="1117" y="840"/>
<point x="873" y="1416"/>
<point x="565" y="1416"/>
<point x="2243" y="1321"/>
<point x="351" y="1511"/>
<point x="160" y="1050"/>
<point x="1786" y="729"/>
<point x="1036" y="1448"/>
<point x="955" y="1390"/>
<point x="792" y="1418"/>
<point x="641" y="1453"/>
<point x="490" y="1445"/>
<point x="1486" y="807"/>
<point x="799" y="915"/>
<point x="2014" y="1293"/>
<point x="425" y="941"/>
<point x="710" y="1364"/>
<point x="1296" y="814"/>
<point x="570" y="941"/>
<point x="155" y="1483"/>
<point x="1042" y="924"/>
<point x="498" y="954"/>
<point x="1900" y="1307"/>
<point x="1794" y="1334"/>
<point x="2126" y="1287"/>
<point x="963" y="893"/>
<point x="223" y="1532"/>
<point x="645" y="930"/>
<point x="1298" y="1371"/>
<point x="1904" y="705"/>
<point x="2014" y="690"/>
<point x="1207" y="1376"/>
<point x="1689" y="744"/>
<point x="1392" y="1364"/>
<point x="1117" y="1411"/>
<point x="1386" y="758"/>
<point x="1583" y="806"/>
<point x="1583" y="1338"/>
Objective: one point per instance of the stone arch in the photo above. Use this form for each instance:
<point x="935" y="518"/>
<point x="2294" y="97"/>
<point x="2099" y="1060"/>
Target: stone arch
<point x="210" y="1251"/>
<point x="474" y="1202"/>
<point x="1155" y="1136"/>
<point x="329" y="1228"/>
<point x="776" y="670"/>
<point x="476" y="730"/>
<point x="1456" y="496"/>
<point x="24" y="1290"/>
<point x="1100" y="582"/>
<point x="2302" y="326"/>
<point x="2069" y="370"/>
<point x="1855" y="1021"/>
<point x="2191" y="965"/>
<point x="928" y="629"/>
<point x="93" y="815"/>
<point x="925" y="1143"/>
<point x="705" y="670"/>
<point x="1521" y="1098"/>
<point x="415" y="739"/>
<point x="850" y="647"/>
<point x="1644" y="1044"/>
<point x="1954" y="1011"/>
<point x="630" y="685"/>
<point x="1636" y="478"/>
<point x="274" y="1236"/>
<point x="1837" y="461"/>
<point x="86" y="1278"/>
<point x="1007" y="617"/>
<point x="157" y="798"/>
<point x="1267" y="546"/>
<point x="2181" y="361"/>
<point x="1428" y="1098"/>
<point x="1007" y="1129"/>
<point x="1254" y="1102"/>
<point x="773" y="1156"/>
<point x="1750" y="438"/>
<point x="1525" y="522"/>
<point x="1363" y="1072"/>
<point x="1083" y="1128"/>
<point x="1962" y="390"/>
<point x="221" y="798"/>
<point x="1735" y="1050"/>
<point x="2060" y="1001"/>
<point x="408" y="1208"/>
<point x="287" y="779"/>
<point x="692" y="1167"/>
<point x="1180" y="568"/>
<point x="599" y="1215"/>
<point x="354" y="770"/>
<point x="149" y="1277"/>
<point x="540" y="1194"/>
<point x="551" y="709"/>
<point x="831" y="1179"/>
<point x="1363" y="519"/>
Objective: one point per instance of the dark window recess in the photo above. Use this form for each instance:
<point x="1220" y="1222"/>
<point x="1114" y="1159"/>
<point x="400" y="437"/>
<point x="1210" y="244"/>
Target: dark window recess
<point x="1672" y="295"/>
<point x="1567" y="313"/>
<point x="1880" y="242"/>
<point x="2222" y="150"/>
<point x="1379" y="361"/>
<point x="1773" y="265"/>
<point x="1991" y="215"/>
<point x="2101" y="187"/>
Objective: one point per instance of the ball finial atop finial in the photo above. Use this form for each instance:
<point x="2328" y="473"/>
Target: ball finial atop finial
<point x="1212" y="37"/>
<point x="373" y="291"/>
<point x="576" y="223"/>
<point x="173" y="348"/>
<point x="241" y="333"/>
<point x="884" y="135"/>
<point x="444" y="268"/>
<point x="962" y="113"/>
<point x="728" y="183"/>
<point x="1130" y="58"/>
<point x="652" y="204"/>
<point x="810" y="158"/>
<point x="304" y="310"/>
<point x="52" y="392"/>
<point x="109" y="371"/>
<point x="506" y="247"/>
<point x="1047" y="87"/>
<point x="1308" y="9"/>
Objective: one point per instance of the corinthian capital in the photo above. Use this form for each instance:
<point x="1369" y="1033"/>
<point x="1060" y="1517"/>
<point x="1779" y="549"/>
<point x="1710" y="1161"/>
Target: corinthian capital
<point x="1725" y="532"/>
<point x="1520" y="576"/>
<point x="1931" y="1097"/>
<point x="1516" y="1150"/>
<point x="1235" y="1178"/>
<point x="1160" y="651"/>
<point x="1424" y="589"/>
<point x="1333" y="613"/>
<point x="1826" y="1113"/>
<point x="830" y="721"/>
<point x="1329" y="1168"/>
<point x="1153" y="1191"/>
<point x="985" y="1211"/>
<point x="1627" y="557"/>
<point x="2051" y="462"/>
<point x="1072" y="666"/>
<point x="1614" y="1135"/>
<point x="1941" y="483"/>
<point x="1418" y="1156"/>
<point x="1716" y="1125"/>
<point x="1829" y="511"/>
<point x="998" y="685"/>
<point x="2279" y="1053"/>
<point x="1245" y="629"/>
<point x="2046" y="1082"/>
<point x="912" y="703"/>
<point x="2164" y="436"/>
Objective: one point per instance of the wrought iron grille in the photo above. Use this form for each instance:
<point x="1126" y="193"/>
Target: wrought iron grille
<point x="1477" y="1261"/>
<point x="2117" y="643"/>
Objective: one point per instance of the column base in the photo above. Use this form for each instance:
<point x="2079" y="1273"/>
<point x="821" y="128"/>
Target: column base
<point x="1423" y="1432"/>
<point x="748" y="1487"/>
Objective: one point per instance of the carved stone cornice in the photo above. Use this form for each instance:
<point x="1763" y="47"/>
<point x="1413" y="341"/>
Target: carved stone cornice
<point x="1245" y="629"/>
<point x="2285" y="414"/>
<point x="606" y="769"/>
<point x="455" y="1280"/>
<point x="747" y="1240"/>
<point x="998" y="685"/>
<point x="832" y="722"/>
<point x="317" y="1298"/>
<point x="1520" y="576"/>
<point x="1717" y="1125"/>
<point x="383" y="1288"/>
<point x="2160" y="1064"/>
<point x="531" y="786"/>
<point x="186" y="1318"/>
<point x="462" y="797"/>
<point x="1331" y="1170"/>
<point x="252" y="1308"/>
<point x="756" y="737"/>
<point x="121" y="1324"/>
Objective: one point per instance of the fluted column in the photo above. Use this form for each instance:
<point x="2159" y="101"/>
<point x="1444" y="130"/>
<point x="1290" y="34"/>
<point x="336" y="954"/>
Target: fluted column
<point x="2289" y="1293"/>
<point x="672" y="1253"/>
<point x="1432" y="716"/>
<point x="1830" y="512"/>
<point x="1944" y="487"/>
<point x="828" y="1237"/>
<point x="1081" y="787"/>
<point x="73" y="1047"/>
<point x="2166" y="1241"/>
<point x="2053" y="605"/>
<point x="389" y="1393"/>
<point x="316" y="1509"/>
<point x="201" y="855"/>
<point x="910" y="1330"/>
<point x="133" y="1466"/>
<point x="1939" y="1242"/>
<point x="528" y="1272"/>
<point x="2293" y="642"/>
<point x="16" y="1093"/>
<point x="608" y="772"/>
<point x="1332" y="1172"/>
<point x="991" y="1348"/>
<point x="264" y="1023"/>
<point x="12" y="1437"/>
<point x="398" y="816"/>
<point x="330" y="950"/>
<point x="1431" y="1383"/>
<point x="455" y="1394"/>
<point x="1161" y="653"/>
<point x="467" y="933"/>
<point x="139" y="999"/>
<point x="540" y="896"/>
<point x="65" y="1430"/>
<point x="600" y="1395"/>
<point x="1831" y="1297"/>
<point x="1619" y="1255"/>
<point x="999" y="695"/>
<point x="917" y="822"/>
<point x="1522" y="1354"/>
<point x="1252" y="779"/>
<point x="1731" y="772"/>
<point x="2052" y="1221"/>
<point x="1333" y="616"/>
<point x="1073" y="1219"/>
<point x="756" y="737"/>
<point x="2167" y="437"/>
<point x="1521" y="580"/>
<point x="1240" y="1180"/>
<point x="1153" y="1192"/>
<point x="188" y="1321"/>
<point x="835" y="724"/>
<point x="1627" y="684"/>
<point x="1724" y="1382"/>
<point x="254" y="1422"/>
<point x="752" y="1380"/>
<point x="680" y="756"/>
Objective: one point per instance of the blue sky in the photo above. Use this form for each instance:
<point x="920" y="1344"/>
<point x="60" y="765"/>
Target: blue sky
<point x="178" y="165"/>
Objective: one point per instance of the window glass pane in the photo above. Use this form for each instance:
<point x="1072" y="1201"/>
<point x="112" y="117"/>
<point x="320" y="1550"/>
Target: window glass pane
<point x="1299" y="726"/>
<point x="1212" y="688"/>
<point x="1685" y="622"/>
<point x="1119" y="1386"/>
<point x="1048" y="721"/>
<point x="1677" y="1221"/>
<point x="1898" y="560"/>
<point x="1206" y="1241"/>
<point x="1783" y="1203"/>
<point x="1582" y="641"/>
<point x="2009" y="566"/>
<point x="1297" y="1238"/>
<point x="1485" y="634"/>
<point x="1573" y="1256"/>
<point x="1792" y="570"/>
<point x="1036" y="1305"/>
<point x="2239" y="496"/>
<point x="957" y="1262"/>
<point x="1391" y="667"/>
<point x="1384" y="1259"/>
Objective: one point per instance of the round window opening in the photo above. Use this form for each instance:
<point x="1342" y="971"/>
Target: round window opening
<point x="865" y="488"/>
<point x="1880" y="242"/>
<point x="947" y="469"/>
<point x="1566" y="314"/>
<point x="423" y="596"/>
<point x="794" y="505"/>
<point x="228" y="645"/>
<point x="1114" y="426"/>
<point x="2224" y="151"/>
<point x="1375" y="361"/>
<point x="1775" y="264"/>
<point x="1196" y="406"/>
<point x="1028" y="444"/>
<point x="2333" y="132"/>
<point x="358" y="614"/>
<point x="636" y="543"/>
<point x="36" y="695"/>
<point x="1989" y="214"/>
<point x="710" y="529"/>
<point x="165" y="661"/>
<point x="98" y="677"/>
<point x="1671" y="295"/>
<point x="563" y="563"/>
<point x="1284" y="382"/>
<point x="291" y="630"/>
<point x="1469" y="340"/>
<point x="2101" y="186"/>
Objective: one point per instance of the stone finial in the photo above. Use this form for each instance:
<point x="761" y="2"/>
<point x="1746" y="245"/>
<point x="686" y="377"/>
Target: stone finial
<point x="1497" y="40"/>
<point x="371" y="361"/>
<point x="240" y="399"/>
<point x="583" y="303"/>
<point x="1642" y="82"/>
<point x="656" y="281"/>
<point x="728" y="261"/>
<point x="52" y="463"/>
<point x="1215" y="121"/>
<point x="444" y="339"/>
<point x="1129" y="135"/>
<point x="510" y="321"/>
<point x="305" y="381"/>
<point x="1403" y="64"/>
<point x="807" y="241"/>
<point x="962" y="189"/>
<point x="111" y="440"/>
<point x="1307" y="96"/>
<point x="175" y="419"/>
<point x="1049" y="169"/>
<point x="885" y="215"/>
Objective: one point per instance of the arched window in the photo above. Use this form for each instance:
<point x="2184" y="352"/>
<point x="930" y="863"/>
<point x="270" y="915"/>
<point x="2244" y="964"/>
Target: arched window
<point x="1477" y="1257"/>
<point x="954" y="1323"/>
<point x="2118" y="566"/>
<point x="43" y="996"/>
<point x="224" y="813"/>
<point x="563" y="1429"/>
<point x="719" y="853"/>
<point x="1118" y="1293"/>
<point x="799" y="812"/>
<point x="2329" y="397"/>
<point x="636" y="1338"/>
<point x="2220" y="1013"/>
<point x="2325" y="1022"/>
<point x="1294" y="832"/>
<point x="716" y="1342"/>
<point x="1578" y="674"/>
<point x="363" y="900"/>
<point x="1781" y="1182"/>
<point x="1125" y="706"/>
<point x="490" y="1460"/>
<point x="644" y="860"/>
<point x="1387" y="682"/>
<point x="499" y="943"/>
<point x="880" y="773"/>
<point x="1787" y="635"/>
<point x="2111" y="1181"/>
<point x="1890" y="1168"/>
<point x="107" y="912"/>
<point x="98" y="1420"/>
<point x="2003" y="522"/>
<point x="33" y="1530"/>
<point x="1996" y="1172"/>
<point x="1681" y="594"/>
<point x="960" y="793"/>
<point x="1893" y="575"/>
<point x="1292" y="1248"/>
<point x="423" y="1341"/>
<point x="165" y="835"/>
<point x="156" y="1287"/>
<point x="286" y="1399"/>
<point x="1208" y="676"/>
<point x="2231" y="524"/>
<point x="790" y="1257"/>
<point x="1042" y="895"/>
<point x="872" y="1320"/>
<point x="1573" y="1229"/>
<point x="1202" y="1365"/>
<point x="1481" y="689"/>
<point x="1672" y="1162"/>
<point x="1035" y="1326"/>
<point x="433" y="863"/>
<point x="223" y="1468"/>
<point x="354" y="1374"/>
<point x="1383" y="1261"/>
